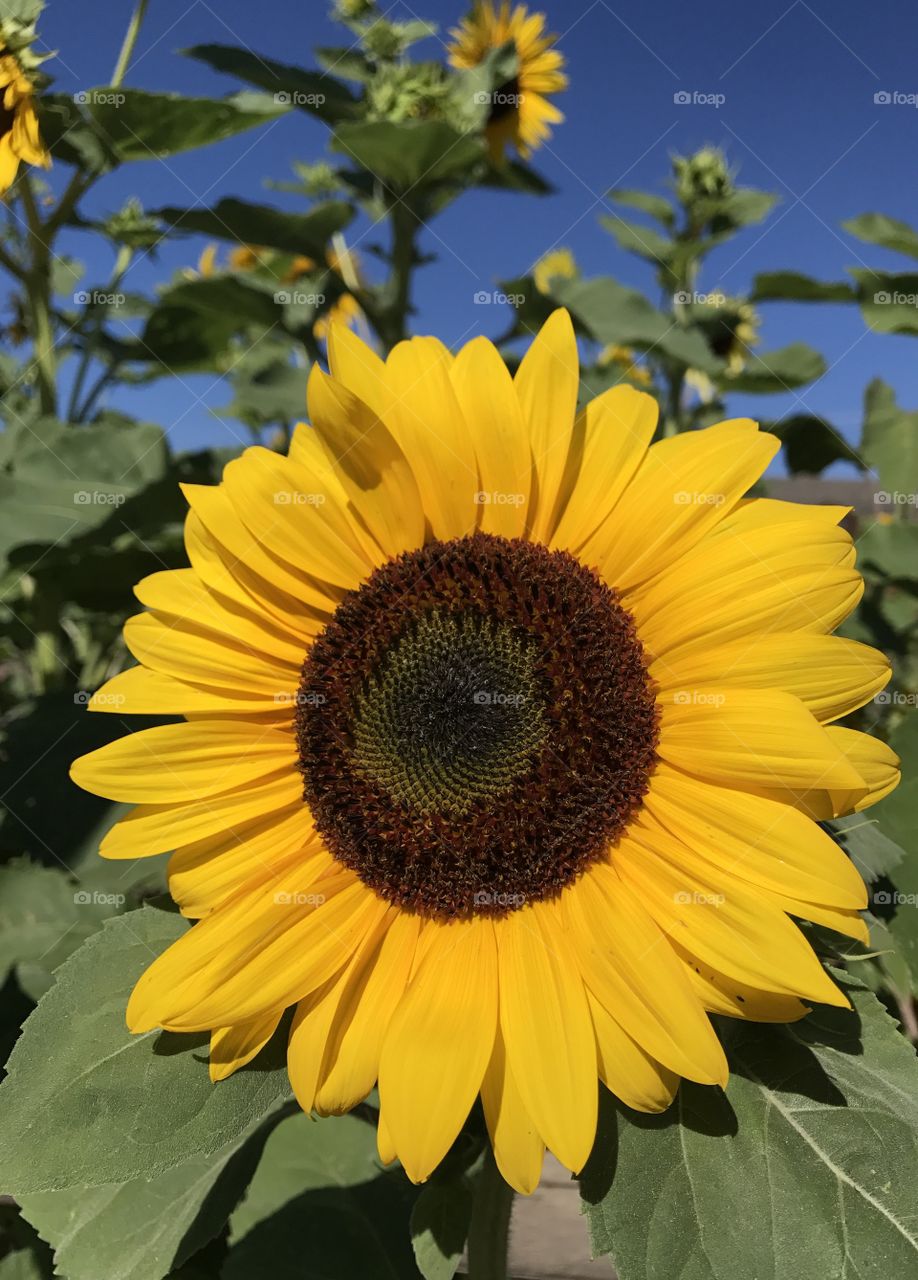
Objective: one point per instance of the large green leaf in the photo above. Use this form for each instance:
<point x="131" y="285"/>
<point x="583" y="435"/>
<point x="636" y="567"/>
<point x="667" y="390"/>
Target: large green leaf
<point x="643" y="241"/>
<point x="811" y="444"/>
<point x="804" y="1169"/>
<point x="37" y="907"/>
<point x="889" y="303"/>
<point x="88" y="1104"/>
<point x="890" y="548"/>
<point x="612" y="313"/>
<point x="779" y="370"/>
<point x="319" y="93"/>
<point x="896" y="818"/>
<point x="440" y="1225"/>
<point x="791" y="286"/>
<point x="872" y="852"/>
<point x="66" y="480"/>
<point x="657" y="206"/>
<point x="321" y="1181"/>
<point x="407" y="156"/>
<point x="244" y="223"/>
<point x="141" y="1230"/>
<point x="890" y="443"/>
<point x="888" y="233"/>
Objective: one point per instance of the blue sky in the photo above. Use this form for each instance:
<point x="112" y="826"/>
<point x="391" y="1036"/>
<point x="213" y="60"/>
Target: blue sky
<point x="798" y="117"/>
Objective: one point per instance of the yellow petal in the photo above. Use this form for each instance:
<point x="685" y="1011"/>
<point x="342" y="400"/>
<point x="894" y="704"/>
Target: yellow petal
<point x="630" y="968"/>
<point x="547" y="383"/>
<point x="351" y="1062"/>
<point x="751" y="737"/>
<point x="712" y="914"/>
<point x="758" y="839"/>
<point x="372" y="468"/>
<point x="613" y="433"/>
<point x="491" y="409"/>
<point x="157" y="828"/>
<point x="232" y="1047"/>
<point x="830" y="675"/>
<point x="683" y="488"/>
<point x="140" y="691"/>
<point x="518" y="1148"/>
<point x="547" y="1031"/>
<point x="182" y="762"/>
<point x="873" y="760"/>
<point x="439" y="1043"/>
<point x="260" y="951"/>
<point x="727" y="995"/>
<point x="624" y="1067"/>
<point x="428" y="424"/>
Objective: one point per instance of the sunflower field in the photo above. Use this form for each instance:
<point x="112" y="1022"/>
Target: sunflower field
<point x="457" y="791"/>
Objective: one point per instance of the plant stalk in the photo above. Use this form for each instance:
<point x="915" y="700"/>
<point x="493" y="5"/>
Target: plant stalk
<point x="489" y="1231"/>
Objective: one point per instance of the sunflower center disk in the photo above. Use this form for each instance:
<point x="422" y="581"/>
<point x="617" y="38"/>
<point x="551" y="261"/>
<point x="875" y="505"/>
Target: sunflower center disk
<point x="475" y="725"/>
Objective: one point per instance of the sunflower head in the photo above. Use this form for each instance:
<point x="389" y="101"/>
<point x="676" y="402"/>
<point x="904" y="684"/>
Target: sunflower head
<point x="507" y="737"/>
<point x="557" y="263"/>
<point x="521" y="109"/>
<point x="20" y="140"/>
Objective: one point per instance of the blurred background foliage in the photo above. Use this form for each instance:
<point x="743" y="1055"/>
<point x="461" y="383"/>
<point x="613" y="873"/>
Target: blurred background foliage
<point x="90" y="504"/>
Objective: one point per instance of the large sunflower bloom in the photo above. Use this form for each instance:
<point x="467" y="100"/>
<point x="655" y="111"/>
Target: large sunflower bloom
<point x="522" y="110"/>
<point x="20" y="141"/>
<point x="505" y="735"/>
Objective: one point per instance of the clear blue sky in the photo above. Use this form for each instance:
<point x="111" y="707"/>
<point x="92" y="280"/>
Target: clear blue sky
<point x="799" y="118"/>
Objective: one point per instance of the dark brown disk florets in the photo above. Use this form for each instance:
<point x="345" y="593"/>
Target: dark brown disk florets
<point x="475" y="725"/>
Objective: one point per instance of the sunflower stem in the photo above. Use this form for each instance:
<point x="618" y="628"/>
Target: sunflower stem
<point x="38" y="288"/>
<point x="489" y="1231"/>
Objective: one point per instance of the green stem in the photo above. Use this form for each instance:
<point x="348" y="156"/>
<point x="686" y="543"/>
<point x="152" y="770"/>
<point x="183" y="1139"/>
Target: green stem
<point x="130" y="39"/>
<point x="38" y="288"/>
<point x="90" y="337"/>
<point x="489" y="1231"/>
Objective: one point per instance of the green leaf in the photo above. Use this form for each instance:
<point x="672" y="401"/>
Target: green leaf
<point x="142" y="1230"/>
<point x="320" y="1181"/>
<point x="656" y="206"/>
<point x="440" y="1226"/>
<point x="890" y="440"/>
<point x="643" y="241"/>
<point x="241" y="222"/>
<point x="66" y="480"/>
<point x="804" y="1169"/>
<point x="95" y="1105"/>
<point x="791" y="286"/>
<point x="890" y="548"/>
<point x="137" y="125"/>
<point x="779" y="370"/>
<point x="811" y="444"/>
<point x="889" y="303"/>
<point x="318" y="93"/>
<point x="36" y="908"/>
<point x="888" y="233"/>
<point x="612" y="313"/>
<point x="405" y="156"/>
<point x="872" y="852"/>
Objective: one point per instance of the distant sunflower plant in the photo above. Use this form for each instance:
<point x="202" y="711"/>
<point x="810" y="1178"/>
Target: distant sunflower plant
<point x="507" y="738"/>
<point x="20" y="138"/>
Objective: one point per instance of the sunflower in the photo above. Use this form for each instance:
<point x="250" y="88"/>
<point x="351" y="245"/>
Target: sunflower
<point x="521" y="110"/>
<point x="20" y="141"/>
<point x="506" y="737"/>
